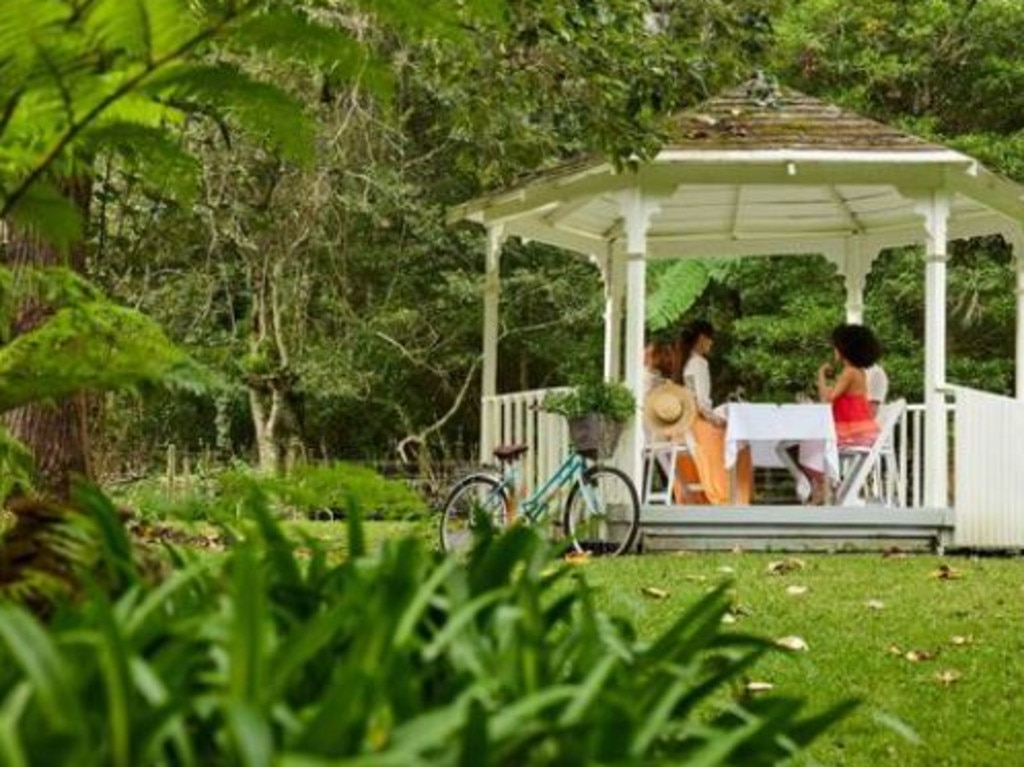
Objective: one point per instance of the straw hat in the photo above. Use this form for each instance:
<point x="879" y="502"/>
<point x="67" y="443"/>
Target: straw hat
<point x="669" y="410"/>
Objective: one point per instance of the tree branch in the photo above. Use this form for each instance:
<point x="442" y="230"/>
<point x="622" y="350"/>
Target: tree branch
<point x="420" y="437"/>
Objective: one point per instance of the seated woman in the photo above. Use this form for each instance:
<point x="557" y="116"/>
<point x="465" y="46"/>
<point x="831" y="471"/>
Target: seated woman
<point x="708" y="465"/>
<point x="661" y="364"/>
<point x="857" y="349"/>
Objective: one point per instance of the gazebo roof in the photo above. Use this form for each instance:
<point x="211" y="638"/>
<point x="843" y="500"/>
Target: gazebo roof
<point x="758" y="170"/>
<point x="743" y="118"/>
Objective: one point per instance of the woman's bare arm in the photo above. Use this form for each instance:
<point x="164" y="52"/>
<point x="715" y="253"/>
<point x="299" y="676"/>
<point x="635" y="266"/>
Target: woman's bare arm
<point x="828" y="393"/>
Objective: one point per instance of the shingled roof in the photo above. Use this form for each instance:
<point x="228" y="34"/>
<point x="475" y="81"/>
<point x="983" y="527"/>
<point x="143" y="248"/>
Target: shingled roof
<point x="749" y="148"/>
<point x="759" y="116"/>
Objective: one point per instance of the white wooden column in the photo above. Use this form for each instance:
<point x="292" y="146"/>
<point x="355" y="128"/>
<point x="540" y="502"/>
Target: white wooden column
<point x="1017" y="240"/>
<point x="854" y="262"/>
<point x="489" y="381"/>
<point x="636" y="213"/>
<point x="614" y="273"/>
<point x="935" y="210"/>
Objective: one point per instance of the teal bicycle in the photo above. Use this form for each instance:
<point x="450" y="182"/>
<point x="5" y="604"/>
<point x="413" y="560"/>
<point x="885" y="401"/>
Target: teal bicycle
<point x="601" y="515"/>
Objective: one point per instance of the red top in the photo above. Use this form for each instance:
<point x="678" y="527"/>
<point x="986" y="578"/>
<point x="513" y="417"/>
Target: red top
<point x="855" y="423"/>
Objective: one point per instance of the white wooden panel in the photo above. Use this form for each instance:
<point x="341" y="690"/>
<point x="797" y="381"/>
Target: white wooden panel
<point x="757" y="210"/>
<point x="703" y="194"/>
<point x="786" y="194"/>
<point x="516" y="418"/>
<point x="990" y="470"/>
<point x="880" y="204"/>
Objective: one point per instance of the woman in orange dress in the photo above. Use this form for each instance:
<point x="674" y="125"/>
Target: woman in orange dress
<point x="708" y="464"/>
<point x="857" y="349"/>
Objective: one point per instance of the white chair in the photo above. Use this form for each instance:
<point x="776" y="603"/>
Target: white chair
<point x="862" y="463"/>
<point x="662" y="458"/>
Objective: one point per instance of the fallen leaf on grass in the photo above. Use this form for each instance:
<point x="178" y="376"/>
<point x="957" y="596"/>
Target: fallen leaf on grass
<point x="654" y="593"/>
<point x="696" y="578"/>
<point x="793" y="643"/>
<point x="726" y="570"/>
<point x="961" y="641"/>
<point x="755" y="687"/>
<point x="875" y="604"/>
<point x="783" y="566"/>
<point x="894" y="650"/>
<point x="728" y="618"/>
<point x="947" y="573"/>
<point x="577" y="557"/>
<point x="949" y="676"/>
<point x="796" y="591"/>
<point x="919" y="656"/>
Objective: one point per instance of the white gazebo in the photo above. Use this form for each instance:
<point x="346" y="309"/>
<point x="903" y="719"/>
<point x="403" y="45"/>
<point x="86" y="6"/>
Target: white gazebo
<point x="756" y="172"/>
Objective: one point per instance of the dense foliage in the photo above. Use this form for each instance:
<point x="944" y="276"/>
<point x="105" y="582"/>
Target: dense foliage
<point x="272" y="654"/>
<point x="290" y="232"/>
<point x="346" y="315"/>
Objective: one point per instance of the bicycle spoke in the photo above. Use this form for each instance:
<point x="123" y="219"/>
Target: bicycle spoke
<point x="602" y="514"/>
<point x="475" y="503"/>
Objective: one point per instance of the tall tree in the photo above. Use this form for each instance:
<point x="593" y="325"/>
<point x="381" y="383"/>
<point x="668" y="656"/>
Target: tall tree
<point x="81" y="80"/>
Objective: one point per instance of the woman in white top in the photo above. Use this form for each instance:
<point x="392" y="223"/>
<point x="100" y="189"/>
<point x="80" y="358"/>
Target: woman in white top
<point x="709" y="428"/>
<point x="697" y="340"/>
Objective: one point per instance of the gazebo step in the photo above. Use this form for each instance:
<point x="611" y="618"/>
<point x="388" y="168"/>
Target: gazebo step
<point x="682" y="542"/>
<point x="793" y="528"/>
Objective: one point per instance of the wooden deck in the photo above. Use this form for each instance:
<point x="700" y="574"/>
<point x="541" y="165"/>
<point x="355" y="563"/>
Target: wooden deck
<point x="793" y="528"/>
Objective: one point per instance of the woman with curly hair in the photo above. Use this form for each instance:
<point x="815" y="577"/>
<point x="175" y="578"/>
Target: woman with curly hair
<point x="856" y="349"/>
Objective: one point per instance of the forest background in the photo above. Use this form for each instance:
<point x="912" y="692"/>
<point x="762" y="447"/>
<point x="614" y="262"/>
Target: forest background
<point x="345" y="315"/>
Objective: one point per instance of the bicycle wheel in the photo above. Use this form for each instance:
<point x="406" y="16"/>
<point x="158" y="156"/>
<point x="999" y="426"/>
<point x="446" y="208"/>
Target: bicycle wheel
<point x="473" y="498"/>
<point x="602" y="513"/>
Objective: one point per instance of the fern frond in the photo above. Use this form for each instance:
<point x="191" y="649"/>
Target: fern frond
<point x="290" y="35"/>
<point x="25" y="23"/>
<point x="675" y="287"/>
<point x="258" y="108"/>
<point x="16" y="464"/>
<point x="151" y="151"/>
<point x="95" y="346"/>
<point x="144" y="29"/>
<point x="43" y="208"/>
<point x="140" y="109"/>
<point x="52" y="286"/>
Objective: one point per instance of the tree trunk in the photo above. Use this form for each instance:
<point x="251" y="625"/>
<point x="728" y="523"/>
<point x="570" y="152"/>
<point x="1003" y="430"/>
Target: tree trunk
<point x="264" y="421"/>
<point x="56" y="432"/>
<point x="273" y="421"/>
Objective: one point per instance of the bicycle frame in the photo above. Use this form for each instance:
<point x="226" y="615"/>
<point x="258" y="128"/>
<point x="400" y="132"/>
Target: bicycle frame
<point x="535" y="505"/>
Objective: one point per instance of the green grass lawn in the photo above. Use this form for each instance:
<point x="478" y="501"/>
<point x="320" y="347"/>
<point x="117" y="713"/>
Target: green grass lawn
<point x="860" y="615"/>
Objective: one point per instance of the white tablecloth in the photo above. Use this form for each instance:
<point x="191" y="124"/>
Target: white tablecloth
<point x="765" y="427"/>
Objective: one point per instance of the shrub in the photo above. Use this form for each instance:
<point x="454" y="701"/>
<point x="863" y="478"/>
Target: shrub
<point x="308" y="490"/>
<point x="270" y="655"/>
<point x="610" y="399"/>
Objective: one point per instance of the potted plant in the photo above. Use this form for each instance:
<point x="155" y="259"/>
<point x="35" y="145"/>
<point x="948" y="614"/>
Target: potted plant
<point x="596" y="411"/>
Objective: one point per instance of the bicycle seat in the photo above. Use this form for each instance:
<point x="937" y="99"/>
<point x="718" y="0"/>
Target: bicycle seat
<point x="510" y="452"/>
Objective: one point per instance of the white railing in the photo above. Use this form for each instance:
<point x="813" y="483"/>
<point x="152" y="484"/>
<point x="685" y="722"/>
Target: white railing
<point x="517" y="419"/>
<point x="989" y="470"/>
<point x="910" y="453"/>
